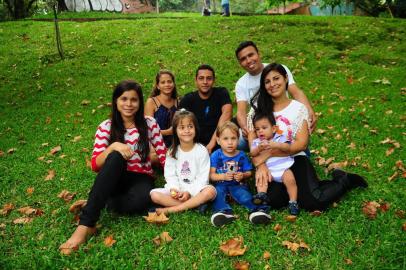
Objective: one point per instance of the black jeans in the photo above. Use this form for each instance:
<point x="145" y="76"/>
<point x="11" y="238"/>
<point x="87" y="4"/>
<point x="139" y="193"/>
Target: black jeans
<point x="313" y="194"/>
<point x="122" y="191"/>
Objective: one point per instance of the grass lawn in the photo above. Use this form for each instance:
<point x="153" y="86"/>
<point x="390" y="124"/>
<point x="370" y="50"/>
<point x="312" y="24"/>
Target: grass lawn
<point x="353" y="70"/>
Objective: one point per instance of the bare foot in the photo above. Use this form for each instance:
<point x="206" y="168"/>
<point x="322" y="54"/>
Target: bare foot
<point x="79" y="236"/>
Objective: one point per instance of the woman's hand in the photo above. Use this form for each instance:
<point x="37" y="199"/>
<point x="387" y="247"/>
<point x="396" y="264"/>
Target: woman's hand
<point x="183" y="196"/>
<point x="123" y="149"/>
<point x="262" y="175"/>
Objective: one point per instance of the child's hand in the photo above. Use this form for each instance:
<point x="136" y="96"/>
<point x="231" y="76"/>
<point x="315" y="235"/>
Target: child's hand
<point x="273" y="145"/>
<point x="238" y="176"/>
<point x="183" y="196"/>
<point x="264" y="145"/>
<point x="175" y="193"/>
<point x="229" y="176"/>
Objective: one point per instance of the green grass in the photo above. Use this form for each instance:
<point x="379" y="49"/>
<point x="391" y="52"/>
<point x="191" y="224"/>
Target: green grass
<point x="41" y="103"/>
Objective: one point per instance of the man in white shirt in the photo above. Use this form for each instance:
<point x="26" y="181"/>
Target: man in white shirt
<point x="249" y="58"/>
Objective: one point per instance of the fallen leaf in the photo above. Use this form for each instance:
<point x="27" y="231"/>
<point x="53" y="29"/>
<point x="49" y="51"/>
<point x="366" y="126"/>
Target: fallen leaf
<point x="384" y="206"/>
<point x="30" y="190"/>
<point x="393" y="176"/>
<point x="109" y="241"/>
<point x="85" y="102"/>
<point x="77" y="206"/>
<point x="22" y="220"/>
<point x="163" y="238"/>
<point x="324" y="150"/>
<point x="370" y="209"/>
<point x="88" y="162"/>
<point x="399" y="165"/>
<point x="347" y="261"/>
<point x="291" y="218"/>
<point x="400" y="213"/>
<point x="50" y="175"/>
<point x="315" y="213"/>
<point x="389" y="151"/>
<point x="335" y="205"/>
<point x="2" y="226"/>
<point x="404" y="227"/>
<point x="11" y="150"/>
<point x="41" y="158"/>
<point x="85" y="150"/>
<point x="291" y="245"/>
<point x="7" y="208"/>
<point x="351" y="145"/>
<point x="337" y="165"/>
<point x="320" y="131"/>
<point x="277" y="227"/>
<point x="233" y="247"/>
<point x="44" y="144"/>
<point x="350" y="80"/>
<point x="154" y="218"/>
<point x="1" y="153"/>
<point x="77" y="138"/>
<point x="55" y="150"/>
<point x="266" y="255"/>
<point x="304" y="245"/>
<point x="241" y="265"/>
<point x="62" y="156"/>
<point x="29" y="211"/>
<point x="66" y="195"/>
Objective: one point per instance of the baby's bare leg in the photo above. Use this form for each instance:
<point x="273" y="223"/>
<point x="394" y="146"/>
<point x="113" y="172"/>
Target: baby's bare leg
<point x="289" y="181"/>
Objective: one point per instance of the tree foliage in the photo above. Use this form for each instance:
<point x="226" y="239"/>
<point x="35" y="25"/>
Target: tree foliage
<point x="18" y="9"/>
<point x="332" y="3"/>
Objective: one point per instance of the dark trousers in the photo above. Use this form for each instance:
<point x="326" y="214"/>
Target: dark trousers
<point x="313" y="194"/>
<point x="122" y="191"/>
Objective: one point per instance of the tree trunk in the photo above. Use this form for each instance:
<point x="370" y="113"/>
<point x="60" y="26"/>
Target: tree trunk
<point x="58" y="34"/>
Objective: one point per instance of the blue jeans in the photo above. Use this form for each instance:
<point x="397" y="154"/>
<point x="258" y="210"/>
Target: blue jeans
<point x="240" y="193"/>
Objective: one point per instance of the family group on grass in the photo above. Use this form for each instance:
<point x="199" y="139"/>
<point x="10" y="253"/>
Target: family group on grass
<point x="203" y="152"/>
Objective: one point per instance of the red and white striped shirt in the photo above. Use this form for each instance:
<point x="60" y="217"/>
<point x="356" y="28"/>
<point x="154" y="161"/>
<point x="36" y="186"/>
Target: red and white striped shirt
<point x="131" y="137"/>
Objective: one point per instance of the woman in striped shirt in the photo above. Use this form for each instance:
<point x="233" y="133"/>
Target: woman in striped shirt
<point x="121" y="158"/>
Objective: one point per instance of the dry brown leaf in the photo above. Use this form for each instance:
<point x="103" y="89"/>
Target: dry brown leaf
<point x="399" y="165"/>
<point x="370" y="209"/>
<point x="154" y="218"/>
<point x="347" y="261"/>
<point x="387" y="140"/>
<point x="11" y="150"/>
<point x="404" y="227"/>
<point x="7" y="208"/>
<point x="29" y="211"/>
<point x="77" y="138"/>
<point x="384" y="206"/>
<point x="324" y="150"/>
<point x="329" y="160"/>
<point x="109" y="241"/>
<point x="41" y="158"/>
<point x="163" y="238"/>
<point x="77" y="206"/>
<point x="351" y="145"/>
<point x="233" y="247"/>
<point x="400" y="213"/>
<point x="85" y="102"/>
<point x="291" y="245"/>
<point x="85" y="150"/>
<point x="22" y="220"/>
<point x="50" y="175"/>
<point x="66" y="195"/>
<point x="266" y="255"/>
<point x="241" y="265"/>
<point x="44" y="144"/>
<point x="315" y="213"/>
<point x="393" y="176"/>
<point x="390" y="151"/>
<point x="30" y="190"/>
<point x="1" y="153"/>
<point x="88" y="162"/>
<point x="304" y="245"/>
<point x="320" y="131"/>
<point x="291" y="218"/>
<point x="62" y="156"/>
<point x="277" y="227"/>
<point x="337" y="165"/>
<point x="55" y="150"/>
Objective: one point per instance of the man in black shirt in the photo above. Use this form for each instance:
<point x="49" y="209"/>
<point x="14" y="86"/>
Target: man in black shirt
<point x="211" y="105"/>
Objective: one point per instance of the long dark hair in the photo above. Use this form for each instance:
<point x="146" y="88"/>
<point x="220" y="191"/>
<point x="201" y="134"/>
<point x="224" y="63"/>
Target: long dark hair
<point x="117" y="125"/>
<point x="264" y="100"/>
<point x="155" y="91"/>
<point x="179" y="115"/>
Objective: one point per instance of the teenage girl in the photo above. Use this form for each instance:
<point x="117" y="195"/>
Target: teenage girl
<point x="120" y="156"/>
<point x="186" y="170"/>
<point x="162" y="103"/>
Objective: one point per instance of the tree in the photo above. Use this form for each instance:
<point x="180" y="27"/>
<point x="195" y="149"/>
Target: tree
<point x="19" y="9"/>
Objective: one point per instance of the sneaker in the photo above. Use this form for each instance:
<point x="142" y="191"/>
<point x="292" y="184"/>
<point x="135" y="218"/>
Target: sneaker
<point x="294" y="208"/>
<point x="220" y="219"/>
<point x="259" y="217"/>
<point x="260" y="198"/>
